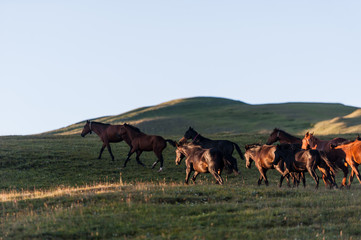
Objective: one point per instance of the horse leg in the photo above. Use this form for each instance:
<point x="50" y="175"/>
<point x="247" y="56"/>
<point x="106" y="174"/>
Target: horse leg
<point x="313" y="175"/>
<point x="345" y="172"/>
<point x="110" y="151"/>
<point x="101" y="151"/>
<point x="303" y="179"/>
<point x="137" y="158"/>
<point x="218" y="178"/>
<point x="356" y="172"/>
<point x="350" y="179"/>
<point x="160" y="159"/>
<point x="131" y="151"/>
<point x="195" y="176"/>
<point x="188" y="171"/>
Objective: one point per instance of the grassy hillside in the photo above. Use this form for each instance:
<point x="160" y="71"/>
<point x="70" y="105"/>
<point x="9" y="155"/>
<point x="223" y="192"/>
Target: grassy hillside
<point x="350" y="123"/>
<point x="211" y="115"/>
<point x="54" y="187"/>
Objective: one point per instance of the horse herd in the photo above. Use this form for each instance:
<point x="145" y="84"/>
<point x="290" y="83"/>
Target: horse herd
<point x="291" y="158"/>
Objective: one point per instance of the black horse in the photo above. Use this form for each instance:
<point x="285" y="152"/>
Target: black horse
<point x="225" y="146"/>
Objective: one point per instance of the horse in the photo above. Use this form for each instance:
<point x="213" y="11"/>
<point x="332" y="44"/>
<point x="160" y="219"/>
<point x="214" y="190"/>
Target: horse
<point x="283" y="137"/>
<point x="324" y="145"/>
<point x="352" y="154"/>
<point x="139" y="142"/>
<point x="225" y="146"/>
<point x="263" y="156"/>
<point x="200" y="160"/>
<point x="108" y="134"/>
<point x="336" y="157"/>
<point x="299" y="161"/>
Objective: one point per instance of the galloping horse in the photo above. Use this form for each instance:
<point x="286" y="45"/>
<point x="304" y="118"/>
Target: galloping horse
<point x="263" y="156"/>
<point x="139" y="142"/>
<point x="108" y="134"/>
<point x="200" y="160"/>
<point x="283" y="137"/>
<point x="352" y="154"/>
<point x="336" y="157"/>
<point x="299" y="161"/>
<point x="226" y="147"/>
<point x="315" y="143"/>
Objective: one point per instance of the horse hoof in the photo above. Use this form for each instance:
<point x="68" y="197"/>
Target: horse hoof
<point x="160" y="169"/>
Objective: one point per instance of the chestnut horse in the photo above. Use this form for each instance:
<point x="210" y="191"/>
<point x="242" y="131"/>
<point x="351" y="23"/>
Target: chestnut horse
<point x="263" y="156"/>
<point x="200" y="160"/>
<point x="283" y="137"/>
<point x="336" y="157"/>
<point x="315" y="143"/>
<point x="352" y="154"/>
<point x="139" y="142"/>
<point x="299" y="161"/>
<point x="108" y="134"/>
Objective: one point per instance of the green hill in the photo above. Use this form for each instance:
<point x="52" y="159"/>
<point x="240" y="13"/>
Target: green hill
<point x="211" y="115"/>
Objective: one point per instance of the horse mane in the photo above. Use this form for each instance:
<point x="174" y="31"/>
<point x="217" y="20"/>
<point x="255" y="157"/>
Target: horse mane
<point x="132" y="127"/>
<point x="100" y="123"/>
<point x="253" y="145"/>
<point x="285" y="133"/>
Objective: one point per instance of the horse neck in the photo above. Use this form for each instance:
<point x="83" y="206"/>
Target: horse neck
<point x="131" y="133"/>
<point x="97" y="128"/>
<point x="287" y="138"/>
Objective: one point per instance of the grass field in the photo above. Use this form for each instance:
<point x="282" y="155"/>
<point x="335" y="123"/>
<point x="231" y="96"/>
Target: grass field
<point x="53" y="187"/>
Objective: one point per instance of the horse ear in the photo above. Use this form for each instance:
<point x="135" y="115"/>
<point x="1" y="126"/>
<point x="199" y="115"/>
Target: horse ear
<point x="307" y="134"/>
<point x="87" y="121"/>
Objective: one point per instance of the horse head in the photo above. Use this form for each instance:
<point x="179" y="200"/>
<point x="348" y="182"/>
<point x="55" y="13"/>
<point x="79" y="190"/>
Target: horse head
<point x="248" y="155"/>
<point x="190" y="133"/>
<point x="308" y="141"/>
<point x="179" y="153"/>
<point x="87" y="128"/>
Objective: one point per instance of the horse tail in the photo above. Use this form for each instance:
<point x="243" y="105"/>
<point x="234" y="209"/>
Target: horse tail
<point x="333" y="167"/>
<point x="238" y="150"/>
<point x="171" y="142"/>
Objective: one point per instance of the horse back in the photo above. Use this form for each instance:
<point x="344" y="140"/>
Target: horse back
<point x="356" y="152"/>
<point x="266" y="156"/>
<point x="112" y="134"/>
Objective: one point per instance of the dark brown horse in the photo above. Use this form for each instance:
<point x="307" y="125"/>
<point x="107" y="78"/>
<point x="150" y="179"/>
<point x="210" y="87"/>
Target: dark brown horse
<point x="200" y="160"/>
<point x="336" y="157"/>
<point x="108" y="134"/>
<point x="139" y="142"/>
<point x="225" y="146"/>
<point x="283" y="137"/>
<point x="263" y="157"/>
<point x="299" y="161"/>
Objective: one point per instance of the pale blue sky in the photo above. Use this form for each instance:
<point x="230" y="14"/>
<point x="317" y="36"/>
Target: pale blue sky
<point x="62" y="62"/>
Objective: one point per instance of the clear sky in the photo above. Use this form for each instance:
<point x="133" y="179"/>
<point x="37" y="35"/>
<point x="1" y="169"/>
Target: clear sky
<point x="62" y="62"/>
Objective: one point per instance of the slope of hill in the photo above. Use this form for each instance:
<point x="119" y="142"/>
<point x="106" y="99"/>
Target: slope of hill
<point x="215" y="115"/>
<point x="350" y="123"/>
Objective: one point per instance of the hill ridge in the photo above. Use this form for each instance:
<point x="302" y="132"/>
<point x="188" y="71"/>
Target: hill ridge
<point x="210" y="115"/>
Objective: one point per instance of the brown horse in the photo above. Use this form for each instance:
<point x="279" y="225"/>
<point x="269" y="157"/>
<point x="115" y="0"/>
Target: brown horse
<point x="282" y="137"/>
<point x="336" y="157"/>
<point x="352" y="154"/>
<point x="314" y="143"/>
<point x="263" y="156"/>
<point x="139" y="142"/>
<point x="200" y="160"/>
<point x="299" y="161"/>
<point x="108" y="134"/>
